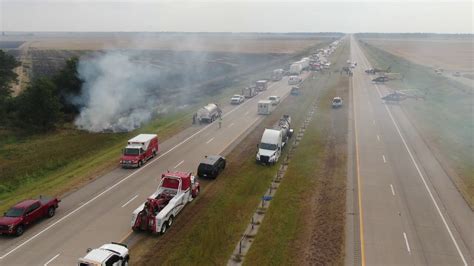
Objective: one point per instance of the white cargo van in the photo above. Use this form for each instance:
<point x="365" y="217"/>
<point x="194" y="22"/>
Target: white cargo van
<point x="265" y="107"/>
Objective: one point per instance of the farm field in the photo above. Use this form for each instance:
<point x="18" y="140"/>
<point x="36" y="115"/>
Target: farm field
<point x="452" y="54"/>
<point x="237" y="43"/>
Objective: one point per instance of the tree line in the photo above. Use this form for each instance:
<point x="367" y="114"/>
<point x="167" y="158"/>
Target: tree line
<point x="44" y="103"/>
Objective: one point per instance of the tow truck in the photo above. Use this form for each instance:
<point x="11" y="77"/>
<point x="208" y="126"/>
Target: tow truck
<point x="156" y="215"/>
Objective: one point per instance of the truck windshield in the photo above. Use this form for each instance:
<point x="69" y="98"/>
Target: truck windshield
<point x="131" y="152"/>
<point x="268" y="146"/>
<point x="14" y="212"/>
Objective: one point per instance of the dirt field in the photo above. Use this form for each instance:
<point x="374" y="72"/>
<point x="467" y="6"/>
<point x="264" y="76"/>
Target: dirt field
<point x="452" y="55"/>
<point x="215" y="43"/>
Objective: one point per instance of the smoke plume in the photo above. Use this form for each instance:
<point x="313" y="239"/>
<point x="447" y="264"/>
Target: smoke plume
<point x="117" y="94"/>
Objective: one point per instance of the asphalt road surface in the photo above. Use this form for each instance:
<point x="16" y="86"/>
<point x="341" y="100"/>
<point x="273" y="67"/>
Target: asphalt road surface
<point x="101" y="211"/>
<point x="411" y="213"/>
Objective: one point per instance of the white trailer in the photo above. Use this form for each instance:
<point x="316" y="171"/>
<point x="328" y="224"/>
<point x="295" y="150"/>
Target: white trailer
<point x="249" y="92"/>
<point x="305" y="62"/>
<point x="296" y="68"/>
<point x="265" y="107"/>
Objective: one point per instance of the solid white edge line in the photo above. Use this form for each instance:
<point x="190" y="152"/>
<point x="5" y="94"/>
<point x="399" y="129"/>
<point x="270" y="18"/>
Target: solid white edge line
<point x="422" y="177"/>
<point x="406" y="242"/>
<point x="209" y="141"/>
<point x="119" y="182"/>
<point x="424" y="182"/>
<point x="176" y="166"/>
<point x="53" y="258"/>
<point x="126" y="203"/>
<point x="383" y="157"/>
<point x="393" y="190"/>
<point x="230" y="125"/>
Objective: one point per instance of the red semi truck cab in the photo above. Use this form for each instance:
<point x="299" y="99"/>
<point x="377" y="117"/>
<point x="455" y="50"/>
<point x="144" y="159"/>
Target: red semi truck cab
<point x="139" y="150"/>
<point x="26" y="213"/>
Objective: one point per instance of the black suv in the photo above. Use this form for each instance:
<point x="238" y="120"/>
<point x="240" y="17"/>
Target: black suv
<point x="211" y="166"/>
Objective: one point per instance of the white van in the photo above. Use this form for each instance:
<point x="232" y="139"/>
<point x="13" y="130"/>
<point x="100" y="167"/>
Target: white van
<point x="294" y="80"/>
<point x="265" y="107"/>
<point x="269" y="149"/>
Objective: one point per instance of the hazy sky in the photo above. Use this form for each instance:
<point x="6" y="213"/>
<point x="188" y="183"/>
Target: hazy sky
<point x="237" y="16"/>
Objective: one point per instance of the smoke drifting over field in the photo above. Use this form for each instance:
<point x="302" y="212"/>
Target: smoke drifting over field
<point x="115" y="95"/>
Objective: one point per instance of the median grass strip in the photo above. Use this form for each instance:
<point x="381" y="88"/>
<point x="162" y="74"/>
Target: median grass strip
<point x="305" y="222"/>
<point x="443" y="118"/>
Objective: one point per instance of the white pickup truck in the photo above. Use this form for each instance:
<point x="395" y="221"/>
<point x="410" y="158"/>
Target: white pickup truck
<point x="109" y="254"/>
<point x="156" y="215"/>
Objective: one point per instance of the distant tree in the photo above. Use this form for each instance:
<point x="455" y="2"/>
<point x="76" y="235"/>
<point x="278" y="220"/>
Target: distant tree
<point x="7" y="77"/>
<point x="69" y="84"/>
<point x="38" y="107"/>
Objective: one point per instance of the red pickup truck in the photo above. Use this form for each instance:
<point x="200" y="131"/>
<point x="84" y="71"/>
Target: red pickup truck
<point x="25" y="213"/>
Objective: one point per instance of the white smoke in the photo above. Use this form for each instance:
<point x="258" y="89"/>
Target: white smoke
<point x="117" y="93"/>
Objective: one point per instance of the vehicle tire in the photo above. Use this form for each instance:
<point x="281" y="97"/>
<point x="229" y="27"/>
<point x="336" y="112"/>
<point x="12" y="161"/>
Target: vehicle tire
<point x="51" y="212"/>
<point x="223" y="166"/>
<point x="164" y="228"/>
<point x="197" y="192"/>
<point x="19" y="230"/>
<point x="170" y="221"/>
<point x="140" y="163"/>
<point x="154" y="153"/>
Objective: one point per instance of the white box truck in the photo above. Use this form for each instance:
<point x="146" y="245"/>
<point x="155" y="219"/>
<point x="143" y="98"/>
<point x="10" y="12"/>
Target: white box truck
<point x="249" y="92"/>
<point x="265" y="107"/>
<point x="277" y="74"/>
<point x="296" y="68"/>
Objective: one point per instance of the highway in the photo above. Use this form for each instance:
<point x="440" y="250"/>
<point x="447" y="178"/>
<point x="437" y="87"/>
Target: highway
<point x="100" y="212"/>
<point x="410" y="211"/>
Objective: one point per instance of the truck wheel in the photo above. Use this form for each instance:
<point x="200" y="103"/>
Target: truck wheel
<point x="170" y="220"/>
<point x="140" y="164"/>
<point x="51" y="212"/>
<point x="164" y="228"/>
<point x="197" y="192"/>
<point x="154" y="153"/>
<point x="19" y="230"/>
